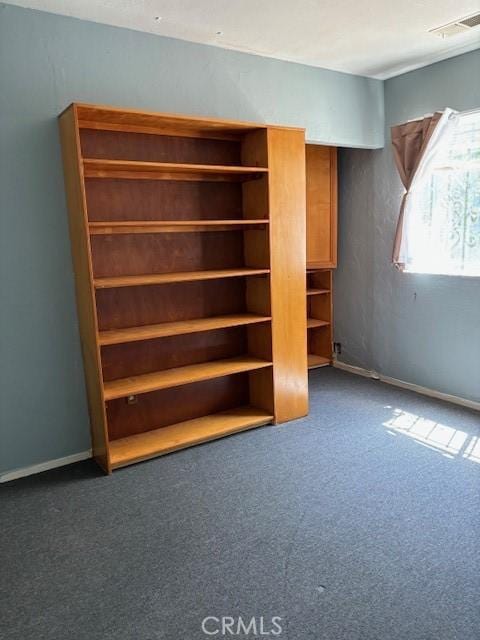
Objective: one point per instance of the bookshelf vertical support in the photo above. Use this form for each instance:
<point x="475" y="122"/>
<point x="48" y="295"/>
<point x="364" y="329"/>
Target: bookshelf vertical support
<point x="286" y="157"/>
<point x="86" y="309"/>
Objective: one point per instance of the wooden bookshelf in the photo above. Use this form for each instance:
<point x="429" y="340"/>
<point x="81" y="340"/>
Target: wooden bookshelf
<point x="188" y="243"/>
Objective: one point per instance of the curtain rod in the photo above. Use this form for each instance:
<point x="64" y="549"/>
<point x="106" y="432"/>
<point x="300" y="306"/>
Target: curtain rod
<point x="427" y="115"/>
<point x="469" y="111"/>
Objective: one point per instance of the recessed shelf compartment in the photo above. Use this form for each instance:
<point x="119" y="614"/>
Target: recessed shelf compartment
<point x="312" y="323"/>
<point x="319" y="317"/>
<point x="315" y="361"/>
<point x="181" y="375"/>
<point x="164" y="278"/>
<point x="184" y="434"/>
<point x="172" y="226"/>
<point x="134" y="169"/>
<point x="165" y="329"/>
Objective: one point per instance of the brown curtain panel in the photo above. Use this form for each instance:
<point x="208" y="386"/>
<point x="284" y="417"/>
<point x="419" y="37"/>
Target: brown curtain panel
<point x="409" y="142"/>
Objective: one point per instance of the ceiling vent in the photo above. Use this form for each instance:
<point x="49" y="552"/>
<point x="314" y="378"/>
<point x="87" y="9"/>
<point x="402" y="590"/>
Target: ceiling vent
<point x="457" y="27"/>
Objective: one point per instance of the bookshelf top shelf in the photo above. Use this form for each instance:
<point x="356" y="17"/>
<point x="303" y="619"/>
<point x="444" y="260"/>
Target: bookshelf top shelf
<point x="135" y="169"/>
<point x="92" y="116"/>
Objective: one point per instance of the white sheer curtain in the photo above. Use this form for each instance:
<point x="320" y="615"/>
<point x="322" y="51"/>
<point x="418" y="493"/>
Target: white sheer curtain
<point x="418" y="146"/>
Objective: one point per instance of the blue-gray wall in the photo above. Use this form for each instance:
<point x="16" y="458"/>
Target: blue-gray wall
<point x="423" y="329"/>
<point x="48" y="61"/>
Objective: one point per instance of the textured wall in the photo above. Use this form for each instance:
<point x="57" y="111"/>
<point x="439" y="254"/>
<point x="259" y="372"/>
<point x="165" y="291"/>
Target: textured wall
<point x="48" y="61"/>
<point x="423" y="329"/>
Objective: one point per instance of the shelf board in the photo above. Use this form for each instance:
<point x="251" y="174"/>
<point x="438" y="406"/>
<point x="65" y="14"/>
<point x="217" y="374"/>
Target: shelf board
<point x="315" y="361"/>
<point x="171" y="226"/>
<point x="139" y="170"/>
<point x="185" y="434"/>
<point x="181" y="375"/>
<point x="314" y="322"/>
<point x="147" y="332"/>
<point x="317" y="266"/>
<point x="182" y="276"/>
<point x="317" y="292"/>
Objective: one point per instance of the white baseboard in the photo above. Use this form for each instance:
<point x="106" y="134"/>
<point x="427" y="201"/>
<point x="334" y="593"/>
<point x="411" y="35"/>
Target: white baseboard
<point x="44" y="466"/>
<point x="432" y="393"/>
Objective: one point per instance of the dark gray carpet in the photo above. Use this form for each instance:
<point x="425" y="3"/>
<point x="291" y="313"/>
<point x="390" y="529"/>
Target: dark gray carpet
<point x="343" y="527"/>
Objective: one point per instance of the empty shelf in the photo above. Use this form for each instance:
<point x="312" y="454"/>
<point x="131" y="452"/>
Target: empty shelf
<point x="138" y="170"/>
<point x="171" y="226"/>
<point x="317" y="292"/>
<point x="184" y="434"/>
<point x="180" y="375"/>
<point x="314" y="322"/>
<point x="164" y="329"/>
<point x="183" y="276"/>
<point x="315" y="361"/>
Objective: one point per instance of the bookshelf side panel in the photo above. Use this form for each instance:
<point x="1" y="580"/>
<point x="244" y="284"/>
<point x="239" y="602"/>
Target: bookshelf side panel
<point x="80" y="247"/>
<point x="286" y="161"/>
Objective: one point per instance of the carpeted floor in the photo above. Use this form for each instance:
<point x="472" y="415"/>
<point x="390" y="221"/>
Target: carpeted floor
<point x="359" y="522"/>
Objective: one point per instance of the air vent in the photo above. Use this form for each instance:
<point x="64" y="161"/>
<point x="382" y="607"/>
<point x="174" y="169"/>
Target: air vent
<point x="471" y="22"/>
<point x="457" y="27"/>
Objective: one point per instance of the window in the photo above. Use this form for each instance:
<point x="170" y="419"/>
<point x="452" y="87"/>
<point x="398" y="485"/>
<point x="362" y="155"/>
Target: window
<point x="444" y="232"/>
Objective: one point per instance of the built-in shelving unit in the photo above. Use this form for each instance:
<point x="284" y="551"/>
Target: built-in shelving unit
<point x="187" y="250"/>
<point x="319" y="322"/>
<point x="321" y="239"/>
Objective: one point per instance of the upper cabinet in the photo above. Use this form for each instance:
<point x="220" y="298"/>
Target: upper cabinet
<point x="321" y="175"/>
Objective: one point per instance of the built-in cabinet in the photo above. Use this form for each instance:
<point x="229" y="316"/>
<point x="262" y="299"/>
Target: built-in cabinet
<point x="321" y="242"/>
<point x="321" y="178"/>
<point x="188" y="243"/>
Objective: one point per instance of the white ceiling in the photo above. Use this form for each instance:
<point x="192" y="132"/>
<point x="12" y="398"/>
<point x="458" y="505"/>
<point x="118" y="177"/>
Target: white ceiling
<point x="377" y="38"/>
